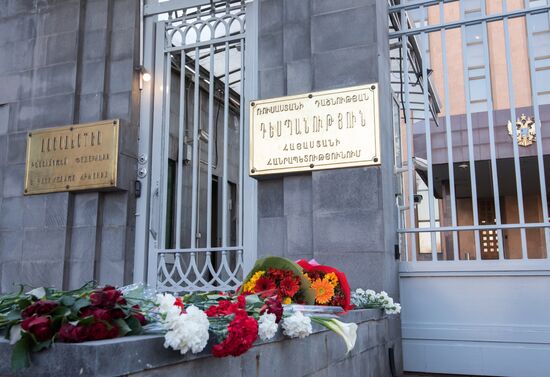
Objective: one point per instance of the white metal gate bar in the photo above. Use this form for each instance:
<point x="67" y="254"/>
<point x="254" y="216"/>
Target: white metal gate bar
<point x="420" y="71"/>
<point x="203" y="45"/>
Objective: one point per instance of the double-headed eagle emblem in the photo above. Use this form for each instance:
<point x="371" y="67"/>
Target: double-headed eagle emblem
<point x="524" y="131"/>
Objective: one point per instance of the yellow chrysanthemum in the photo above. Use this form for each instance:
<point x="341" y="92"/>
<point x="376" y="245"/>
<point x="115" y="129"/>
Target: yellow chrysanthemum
<point x="249" y="285"/>
<point x="323" y="291"/>
<point x="307" y="276"/>
<point x="287" y="301"/>
<point x="332" y="279"/>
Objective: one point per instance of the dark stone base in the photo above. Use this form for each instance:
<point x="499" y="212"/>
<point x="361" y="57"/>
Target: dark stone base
<point x="322" y="354"/>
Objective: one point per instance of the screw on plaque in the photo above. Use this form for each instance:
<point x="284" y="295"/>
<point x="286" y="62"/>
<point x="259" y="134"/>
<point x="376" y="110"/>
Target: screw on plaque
<point x="70" y="129"/>
<point x="114" y="122"/>
<point x="375" y="159"/>
<point x="310" y="95"/>
<point x="67" y="187"/>
<point x="311" y="166"/>
<point x="30" y="134"/>
<point x="252" y="104"/>
<point x="26" y="190"/>
<point x="373" y="87"/>
<point x="112" y="182"/>
<point x="253" y="170"/>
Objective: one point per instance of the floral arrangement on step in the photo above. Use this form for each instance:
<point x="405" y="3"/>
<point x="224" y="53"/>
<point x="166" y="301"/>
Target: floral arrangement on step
<point x="34" y="320"/>
<point x="369" y="299"/>
<point x="233" y="323"/>
<point x="280" y="277"/>
<point x="330" y="284"/>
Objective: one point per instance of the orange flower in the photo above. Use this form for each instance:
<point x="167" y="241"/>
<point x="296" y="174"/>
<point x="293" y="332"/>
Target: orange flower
<point x="323" y="291"/>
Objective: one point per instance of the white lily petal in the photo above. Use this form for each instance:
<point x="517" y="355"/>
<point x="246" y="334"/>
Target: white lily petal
<point x="37" y="292"/>
<point x="15" y="334"/>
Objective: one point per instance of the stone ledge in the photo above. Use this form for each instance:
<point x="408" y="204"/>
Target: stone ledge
<point x="146" y="355"/>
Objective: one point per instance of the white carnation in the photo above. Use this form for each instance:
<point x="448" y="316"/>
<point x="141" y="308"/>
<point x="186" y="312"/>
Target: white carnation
<point x="167" y="309"/>
<point x="267" y="326"/>
<point x="297" y="325"/>
<point x="188" y="331"/>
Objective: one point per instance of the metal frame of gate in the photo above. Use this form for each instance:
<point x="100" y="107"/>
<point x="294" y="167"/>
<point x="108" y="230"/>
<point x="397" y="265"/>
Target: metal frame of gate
<point x="182" y="35"/>
<point x="416" y="74"/>
<point x="460" y="316"/>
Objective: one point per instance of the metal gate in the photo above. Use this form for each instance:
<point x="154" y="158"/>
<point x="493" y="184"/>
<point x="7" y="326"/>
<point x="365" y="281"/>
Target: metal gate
<point x="472" y="79"/>
<point x="195" y="54"/>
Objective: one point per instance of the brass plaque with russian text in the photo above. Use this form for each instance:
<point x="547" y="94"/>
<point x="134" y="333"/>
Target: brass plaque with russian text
<point x="322" y="130"/>
<point x="69" y="158"/>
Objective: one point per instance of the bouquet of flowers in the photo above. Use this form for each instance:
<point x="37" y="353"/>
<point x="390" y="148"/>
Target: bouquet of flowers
<point x="32" y="321"/>
<point x="369" y="299"/>
<point x="330" y="285"/>
<point x="280" y="277"/>
<point x="235" y="322"/>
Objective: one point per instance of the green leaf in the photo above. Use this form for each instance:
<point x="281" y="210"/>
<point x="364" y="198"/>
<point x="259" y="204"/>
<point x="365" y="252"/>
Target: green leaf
<point x="67" y="300"/>
<point x="41" y="345"/>
<point x="20" y="357"/>
<point x="14" y="315"/>
<point x="134" y="325"/>
<point x="86" y="320"/>
<point x="60" y="311"/>
<point x="122" y="327"/>
<point x="80" y="303"/>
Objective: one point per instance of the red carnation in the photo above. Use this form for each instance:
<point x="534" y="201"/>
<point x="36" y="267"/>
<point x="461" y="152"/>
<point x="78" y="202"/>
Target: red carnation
<point x="289" y="286"/>
<point x="139" y="315"/>
<point x="73" y="334"/>
<point x="39" y="327"/>
<point x="226" y="307"/>
<point x="242" y="332"/>
<point x="264" y="284"/>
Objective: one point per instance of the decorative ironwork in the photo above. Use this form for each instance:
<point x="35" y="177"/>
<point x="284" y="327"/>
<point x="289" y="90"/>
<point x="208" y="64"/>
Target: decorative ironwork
<point x="199" y="270"/>
<point x="524" y="132"/>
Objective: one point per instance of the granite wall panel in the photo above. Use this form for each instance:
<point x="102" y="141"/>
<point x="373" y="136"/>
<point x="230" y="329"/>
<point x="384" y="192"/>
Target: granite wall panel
<point x="66" y="62"/>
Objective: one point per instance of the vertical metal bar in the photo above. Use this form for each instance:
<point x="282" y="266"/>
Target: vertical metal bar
<point x="536" y="113"/>
<point x="448" y="133"/>
<point x="471" y="157"/>
<point x="427" y="131"/>
<point x="250" y="186"/>
<point x="196" y="156"/>
<point x="408" y="124"/>
<point x="181" y="152"/>
<point x="143" y="203"/>
<point x="211" y="89"/>
<point x="492" y="146"/>
<point x="512" y="99"/>
<point x="156" y="152"/>
<point x="241" y="150"/>
<point x="164" y="151"/>
<point x="225" y="144"/>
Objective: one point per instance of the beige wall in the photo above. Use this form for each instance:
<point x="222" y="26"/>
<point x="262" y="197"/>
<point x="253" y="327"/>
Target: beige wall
<point x="495" y="35"/>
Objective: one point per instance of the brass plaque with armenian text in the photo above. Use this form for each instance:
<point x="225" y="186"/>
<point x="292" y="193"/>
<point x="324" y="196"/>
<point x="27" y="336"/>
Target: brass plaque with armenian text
<point x="70" y="158"/>
<point x="321" y="130"/>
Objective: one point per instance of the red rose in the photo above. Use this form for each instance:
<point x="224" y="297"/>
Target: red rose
<point x="117" y="314"/>
<point x="73" y="334"/>
<point x="39" y="307"/>
<point x="39" y="327"/>
<point x="98" y="331"/>
<point x="97" y="313"/>
<point x="273" y="306"/>
<point x="106" y="297"/>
